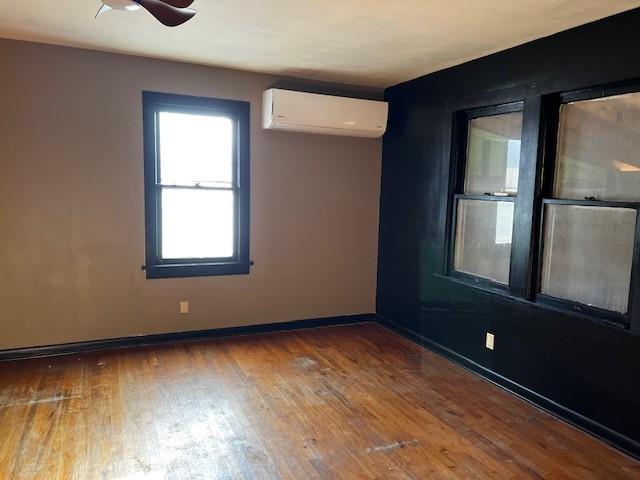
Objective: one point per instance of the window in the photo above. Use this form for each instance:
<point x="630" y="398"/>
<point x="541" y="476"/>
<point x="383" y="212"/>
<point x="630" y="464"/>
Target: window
<point x="487" y="188"/>
<point x="590" y="213"/>
<point x="588" y="253"/>
<point x="196" y="186"/>
<point x="552" y="219"/>
<point x="599" y="149"/>
<point x="483" y="239"/>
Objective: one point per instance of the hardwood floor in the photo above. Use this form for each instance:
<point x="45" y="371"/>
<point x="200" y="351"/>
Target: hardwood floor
<point x="339" y="402"/>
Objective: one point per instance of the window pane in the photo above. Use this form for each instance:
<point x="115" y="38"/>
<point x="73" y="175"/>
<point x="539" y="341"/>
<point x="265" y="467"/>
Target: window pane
<point x="493" y="154"/>
<point x="588" y="253"/>
<point x="483" y="239"/>
<point x="197" y="223"/>
<point x="599" y="149"/>
<point x="195" y="149"/>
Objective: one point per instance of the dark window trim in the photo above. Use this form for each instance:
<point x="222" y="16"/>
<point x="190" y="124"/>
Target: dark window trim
<point x="592" y="203"/>
<point x="631" y="319"/>
<point x="239" y="112"/>
<point x="600" y="91"/>
<point x="523" y="259"/>
<point x="607" y="316"/>
<point x="459" y="161"/>
<point x="489" y="198"/>
<point x="634" y="288"/>
<point x="540" y="131"/>
<point x="492" y="110"/>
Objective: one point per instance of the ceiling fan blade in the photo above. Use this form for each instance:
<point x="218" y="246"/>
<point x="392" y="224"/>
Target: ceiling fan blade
<point x="167" y="14"/>
<point x="179" y="3"/>
<point x="103" y="8"/>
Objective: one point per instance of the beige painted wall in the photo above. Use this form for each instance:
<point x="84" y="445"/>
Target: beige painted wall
<point x="72" y="218"/>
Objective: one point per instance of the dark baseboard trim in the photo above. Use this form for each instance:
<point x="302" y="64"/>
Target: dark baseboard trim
<point x="601" y="432"/>
<point x="79" y="347"/>
<point x="616" y="440"/>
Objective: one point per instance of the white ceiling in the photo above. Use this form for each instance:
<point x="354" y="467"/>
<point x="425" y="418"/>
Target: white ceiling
<point x="363" y="42"/>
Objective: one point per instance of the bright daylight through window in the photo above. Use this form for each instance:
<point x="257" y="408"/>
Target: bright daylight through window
<point x="197" y="185"/>
<point x="196" y="174"/>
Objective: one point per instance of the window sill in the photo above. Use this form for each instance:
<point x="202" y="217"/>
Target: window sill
<point x="178" y="270"/>
<point x="480" y="283"/>
<point x="504" y="293"/>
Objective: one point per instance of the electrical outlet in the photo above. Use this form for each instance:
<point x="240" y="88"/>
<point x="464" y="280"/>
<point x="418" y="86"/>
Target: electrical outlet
<point x="490" y="342"/>
<point x="184" y="306"/>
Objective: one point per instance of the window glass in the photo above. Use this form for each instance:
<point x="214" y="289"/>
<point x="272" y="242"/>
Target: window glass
<point x="588" y="252"/>
<point x="483" y="239"/>
<point x="493" y="154"/>
<point x="195" y="149"/>
<point x="599" y="149"/>
<point x="197" y="223"/>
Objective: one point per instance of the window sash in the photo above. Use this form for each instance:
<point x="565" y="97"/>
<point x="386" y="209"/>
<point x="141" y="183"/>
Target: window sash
<point x="199" y="111"/>
<point x="160" y="186"/>
<point x="609" y="316"/>
<point x="475" y="279"/>
<point x="181" y="260"/>
<point x="479" y="181"/>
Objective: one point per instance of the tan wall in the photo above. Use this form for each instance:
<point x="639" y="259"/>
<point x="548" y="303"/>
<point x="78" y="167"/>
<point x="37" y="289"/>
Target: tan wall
<point x="72" y="218"/>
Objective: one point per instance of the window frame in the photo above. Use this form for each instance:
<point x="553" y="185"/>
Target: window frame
<point x="548" y="197"/>
<point x="540" y="131"/>
<point x="461" y="137"/>
<point x="239" y="113"/>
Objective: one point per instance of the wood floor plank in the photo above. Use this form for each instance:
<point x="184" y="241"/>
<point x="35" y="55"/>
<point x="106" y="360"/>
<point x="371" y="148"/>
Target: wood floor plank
<point x="350" y="402"/>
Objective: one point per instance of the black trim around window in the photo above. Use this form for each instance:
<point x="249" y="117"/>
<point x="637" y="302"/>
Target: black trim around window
<point x="461" y="135"/>
<point x="239" y="113"/>
<point x="607" y="316"/>
<point x="631" y="319"/>
<point x="535" y="190"/>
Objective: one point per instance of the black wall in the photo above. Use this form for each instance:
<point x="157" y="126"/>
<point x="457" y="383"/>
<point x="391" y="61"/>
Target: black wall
<point x="585" y="371"/>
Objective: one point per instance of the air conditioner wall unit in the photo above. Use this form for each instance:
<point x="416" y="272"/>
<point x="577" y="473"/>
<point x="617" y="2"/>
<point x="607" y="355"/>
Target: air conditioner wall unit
<point x="326" y="114"/>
